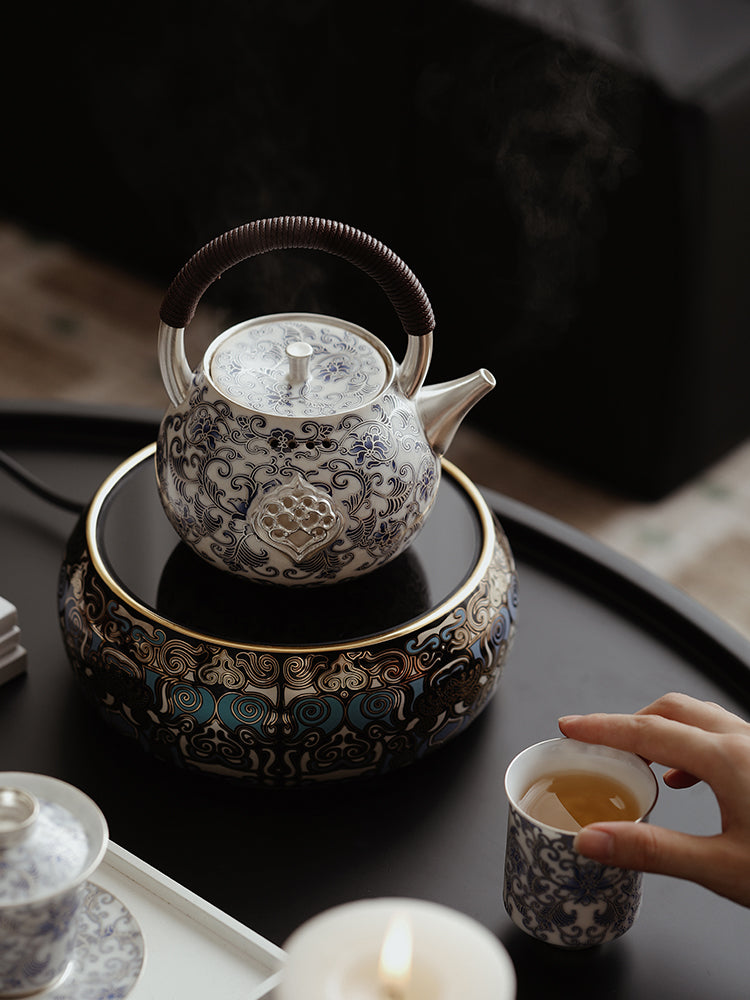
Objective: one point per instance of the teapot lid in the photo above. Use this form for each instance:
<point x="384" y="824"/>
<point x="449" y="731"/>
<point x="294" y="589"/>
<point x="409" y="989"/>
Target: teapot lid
<point x="299" y="365"/>
<point x="51" y="837"/>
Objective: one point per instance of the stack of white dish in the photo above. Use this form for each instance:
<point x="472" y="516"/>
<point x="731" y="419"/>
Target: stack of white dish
<point x="12" y="653"/>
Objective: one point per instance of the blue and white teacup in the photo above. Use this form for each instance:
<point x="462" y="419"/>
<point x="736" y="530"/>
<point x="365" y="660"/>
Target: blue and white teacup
<point x="52" y="838"/>
<point x="550" y="890"/>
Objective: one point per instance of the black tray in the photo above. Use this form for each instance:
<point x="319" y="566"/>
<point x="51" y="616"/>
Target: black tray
<point x="595" y="632"/>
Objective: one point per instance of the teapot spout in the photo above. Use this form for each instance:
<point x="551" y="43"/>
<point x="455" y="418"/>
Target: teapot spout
<point x="442" y="407"/>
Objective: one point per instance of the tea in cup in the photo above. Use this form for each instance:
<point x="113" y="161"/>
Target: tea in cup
<point x="570" y="800"/>
<point x="554" y="789"/>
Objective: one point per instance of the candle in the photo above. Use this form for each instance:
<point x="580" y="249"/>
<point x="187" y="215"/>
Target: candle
<point x="395" y="949"/>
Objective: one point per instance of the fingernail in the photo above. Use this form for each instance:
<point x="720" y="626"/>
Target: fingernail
<point x="596" y="844"/>
<point x="565" y="719"/>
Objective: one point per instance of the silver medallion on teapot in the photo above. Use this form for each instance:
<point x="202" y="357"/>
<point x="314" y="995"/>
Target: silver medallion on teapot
<point x="299" y="452"/>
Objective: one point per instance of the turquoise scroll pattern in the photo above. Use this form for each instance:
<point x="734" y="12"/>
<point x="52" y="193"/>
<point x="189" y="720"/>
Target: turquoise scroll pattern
<point x="285" y="717"/>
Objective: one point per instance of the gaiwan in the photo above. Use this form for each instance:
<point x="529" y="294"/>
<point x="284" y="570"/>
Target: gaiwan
<point x="299" y="452"/>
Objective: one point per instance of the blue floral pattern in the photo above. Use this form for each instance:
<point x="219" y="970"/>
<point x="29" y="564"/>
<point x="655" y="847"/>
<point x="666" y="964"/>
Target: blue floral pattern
<point x="373" y="467"/>
<point x="109" y="951"/>
<point x="54" y="857"/>
<point x="250" y="366"/>
<point x="36" y="942"/>
<point x="558" y="896"/>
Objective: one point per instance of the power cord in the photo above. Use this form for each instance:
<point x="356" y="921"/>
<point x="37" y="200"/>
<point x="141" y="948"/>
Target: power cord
<point x="23" y="476"/>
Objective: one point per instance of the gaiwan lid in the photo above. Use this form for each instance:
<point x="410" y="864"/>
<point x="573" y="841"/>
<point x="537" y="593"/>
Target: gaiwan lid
<point x="299" y="365"/>
<point x="52" y="836"/>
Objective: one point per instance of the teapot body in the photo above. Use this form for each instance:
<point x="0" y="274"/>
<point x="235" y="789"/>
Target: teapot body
<point x="296" y="498"/>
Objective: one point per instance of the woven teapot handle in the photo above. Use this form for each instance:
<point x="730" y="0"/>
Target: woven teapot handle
<point x="398" y="282"/>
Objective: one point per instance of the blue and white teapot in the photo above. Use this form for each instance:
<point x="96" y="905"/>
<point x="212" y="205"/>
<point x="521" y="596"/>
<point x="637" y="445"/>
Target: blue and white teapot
<point x="299" y="452"/>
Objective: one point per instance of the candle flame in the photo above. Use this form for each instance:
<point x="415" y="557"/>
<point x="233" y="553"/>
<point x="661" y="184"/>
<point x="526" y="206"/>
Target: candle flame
<point x="395" y="958"/>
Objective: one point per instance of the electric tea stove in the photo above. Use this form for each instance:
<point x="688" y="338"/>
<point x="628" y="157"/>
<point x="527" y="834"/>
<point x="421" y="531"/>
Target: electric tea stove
<point x="282" y="686"/>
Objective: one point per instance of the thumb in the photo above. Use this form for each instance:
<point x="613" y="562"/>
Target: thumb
<point x="647" y="848"/>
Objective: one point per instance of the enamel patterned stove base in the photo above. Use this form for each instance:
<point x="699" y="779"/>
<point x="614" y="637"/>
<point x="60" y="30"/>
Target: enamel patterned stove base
<point x="283" y="688"/>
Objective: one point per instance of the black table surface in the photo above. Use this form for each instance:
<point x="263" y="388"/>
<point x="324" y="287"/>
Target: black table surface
<point x="595" y="632"/>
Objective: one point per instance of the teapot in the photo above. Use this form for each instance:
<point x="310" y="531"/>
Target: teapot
<point x="299" y="452"/>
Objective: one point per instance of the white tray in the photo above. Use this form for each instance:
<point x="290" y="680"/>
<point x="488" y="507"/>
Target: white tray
<point x="193" y="950"/>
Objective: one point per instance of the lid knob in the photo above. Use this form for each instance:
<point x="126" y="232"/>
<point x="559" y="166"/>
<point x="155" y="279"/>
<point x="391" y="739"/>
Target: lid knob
<point x="18" y="813"/>
<point x="299" y="354"/>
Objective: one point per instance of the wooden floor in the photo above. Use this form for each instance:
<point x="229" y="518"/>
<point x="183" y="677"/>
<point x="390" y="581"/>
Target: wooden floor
<point x="74" y="329"/>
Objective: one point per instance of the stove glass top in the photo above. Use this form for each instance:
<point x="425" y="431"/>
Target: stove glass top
<point x="141" y="551"/>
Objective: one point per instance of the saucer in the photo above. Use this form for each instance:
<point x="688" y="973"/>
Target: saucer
<point x="108" y="954"/>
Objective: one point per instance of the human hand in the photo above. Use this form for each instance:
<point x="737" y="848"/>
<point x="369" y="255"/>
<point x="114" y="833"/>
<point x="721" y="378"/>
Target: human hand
<point x="698" y="741"/>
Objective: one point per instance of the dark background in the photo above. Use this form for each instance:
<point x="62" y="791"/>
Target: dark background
<point x="566" y="179"/>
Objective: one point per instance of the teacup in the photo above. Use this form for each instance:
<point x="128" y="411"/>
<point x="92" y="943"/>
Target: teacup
<point x="550" y="890"/>
<point x="52" y="838"/>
